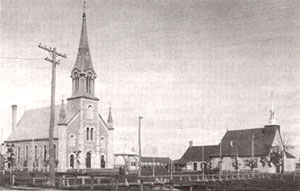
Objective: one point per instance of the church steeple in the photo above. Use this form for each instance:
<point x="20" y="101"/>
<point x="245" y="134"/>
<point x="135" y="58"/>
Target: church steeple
<point x="110" y="120"/>
<point x="83" y="74"/>
<point x="62" y="115"/>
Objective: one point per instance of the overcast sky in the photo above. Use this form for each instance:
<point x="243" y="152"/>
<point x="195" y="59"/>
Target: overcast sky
<point x="192" y="69"/>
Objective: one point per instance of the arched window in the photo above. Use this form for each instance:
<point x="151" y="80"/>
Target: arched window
<point x="87" y="85"/>
<point x="45" y="153"/>
<point x="26" y="153"/>
<point x="90" y="112"/>
<point x="76" y="81"/>
<point x="72" y="140"/>
<point x="102" y="142"/>
<point x="35" y="152"/>
<point x="102" y="162"/>
<point x="19" y="154"/>
<point x="92" y="134"/>
<point x="87" y="133"/>
<point x="54" y="151"/>
<point x="88" y="160"/>
<point x="72" y="161"/>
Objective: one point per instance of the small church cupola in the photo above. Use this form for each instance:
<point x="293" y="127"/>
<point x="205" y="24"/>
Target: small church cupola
<point x="83" y="74"/>
<point x="62" y="115"/>
<point x="110" y="120"/>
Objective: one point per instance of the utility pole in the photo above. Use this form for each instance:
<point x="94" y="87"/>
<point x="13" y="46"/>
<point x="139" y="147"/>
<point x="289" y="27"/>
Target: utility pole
<point x="203" y="173"/>
<point x="140" y="147"/>
<point x="252" y="153"/>
<point x="53" y="54"/>
<point x="220" y="169"/>
<point x="1" y="141"/>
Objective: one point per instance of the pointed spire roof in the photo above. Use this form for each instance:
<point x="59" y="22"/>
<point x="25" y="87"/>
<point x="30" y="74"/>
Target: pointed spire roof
<point x="62" y="114"/>
<point x="83" y="60"/>
<point x="109" y="119"/>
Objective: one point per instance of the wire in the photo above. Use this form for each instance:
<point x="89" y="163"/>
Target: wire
<point x="20" y="58"/>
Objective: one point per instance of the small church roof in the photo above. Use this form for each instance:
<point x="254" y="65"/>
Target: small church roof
<point x="34" y="124"/>
<point x="195" y="153"/>
<point x="239" y="142"/>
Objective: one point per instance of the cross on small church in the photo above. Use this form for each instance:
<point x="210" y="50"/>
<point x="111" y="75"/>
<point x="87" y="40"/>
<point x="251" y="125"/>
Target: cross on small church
<point x="84" y="6"/>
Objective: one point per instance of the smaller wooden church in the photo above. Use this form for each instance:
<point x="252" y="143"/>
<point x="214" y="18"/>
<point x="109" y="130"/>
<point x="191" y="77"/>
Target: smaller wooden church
<point x="257" y="149"/>
<point x="82" y="138"/>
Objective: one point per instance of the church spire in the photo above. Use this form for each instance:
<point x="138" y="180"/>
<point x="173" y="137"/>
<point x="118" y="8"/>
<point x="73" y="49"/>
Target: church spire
<point x="83" y="74"/>
<point x="110" y="120"/>
<point x="84" y="61"/>
<point x="62" y="114"/>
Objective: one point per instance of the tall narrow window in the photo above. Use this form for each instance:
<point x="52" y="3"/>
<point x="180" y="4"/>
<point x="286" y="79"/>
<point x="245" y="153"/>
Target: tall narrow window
<point x="72" y="160"/>
<point x="87" y="134"/>
<point x="35" y="152"/>
<point x="92" y="134"/>
<point x="54" y="151"/>
<point x="45" y="152"/>
<point x="102" y="142"/>
<point x="88" y="160"/>
<point x="102" y="161"/>
<point x="87" y="84"/>
<point x="72" y="141"/>
<point x="26" y="153"/>
<point x="19" y="154"/>
<point x="90" y="112"/>
<point x="77" y="84"/>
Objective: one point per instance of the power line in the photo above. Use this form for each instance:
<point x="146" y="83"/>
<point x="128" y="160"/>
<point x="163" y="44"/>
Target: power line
<point x="20" y="58"/>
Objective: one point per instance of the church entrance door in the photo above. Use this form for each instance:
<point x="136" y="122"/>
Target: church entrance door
<point x="102" y="162"/>
<point x="88" y="160"/>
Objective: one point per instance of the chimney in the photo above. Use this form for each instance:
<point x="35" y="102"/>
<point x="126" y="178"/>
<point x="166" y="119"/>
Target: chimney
<point x="14" y="117"/>
<point x="190" y="143"/>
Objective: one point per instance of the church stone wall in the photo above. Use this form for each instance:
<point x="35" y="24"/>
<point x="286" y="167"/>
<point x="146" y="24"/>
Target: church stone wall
<point x="33" y="159"/>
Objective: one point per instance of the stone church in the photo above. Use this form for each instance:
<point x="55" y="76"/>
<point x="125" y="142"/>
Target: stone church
<point x="82" y="138"/>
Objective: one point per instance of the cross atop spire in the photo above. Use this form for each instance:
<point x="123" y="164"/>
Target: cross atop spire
<point x="272" y="120"/>
<point x="84" y="7"/>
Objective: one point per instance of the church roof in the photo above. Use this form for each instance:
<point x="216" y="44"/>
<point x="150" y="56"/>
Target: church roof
<point x="83" y="61"/>
<point x="240" y="141"/>
<point x="195" y="153"/>
<point x="34" y="124"/>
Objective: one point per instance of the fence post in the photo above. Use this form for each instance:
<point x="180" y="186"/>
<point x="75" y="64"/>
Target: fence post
<point x="141" y="185"/>
<point x="116" y="184"/>
<point x="75" y="182"/>
<point x="92" y="183"/>
<point x="172" y="187"/>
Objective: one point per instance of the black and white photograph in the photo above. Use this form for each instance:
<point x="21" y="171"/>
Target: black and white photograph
<point x="150" y="95"/>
